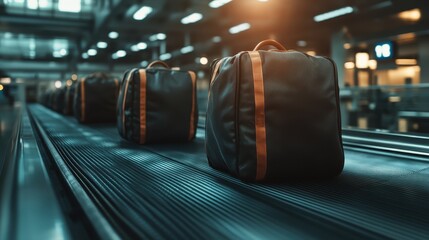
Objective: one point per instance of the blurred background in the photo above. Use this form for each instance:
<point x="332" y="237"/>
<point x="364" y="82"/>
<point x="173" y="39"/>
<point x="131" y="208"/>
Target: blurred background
<point x="381" y="47"/>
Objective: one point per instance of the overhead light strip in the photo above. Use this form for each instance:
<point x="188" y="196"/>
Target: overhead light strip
<point x="142" y="13"/>
<point x="334" y="14"/>
<point x="218" y="3"/>
<point x="239" y="28"/>
<point x="192" y="18"/>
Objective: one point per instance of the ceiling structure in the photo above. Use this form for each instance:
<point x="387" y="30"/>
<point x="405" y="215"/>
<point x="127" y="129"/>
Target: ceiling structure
<point x="64" y="36"/>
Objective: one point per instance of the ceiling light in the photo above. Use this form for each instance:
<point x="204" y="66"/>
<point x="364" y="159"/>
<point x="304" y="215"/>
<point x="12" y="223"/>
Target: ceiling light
<point x="204" y="60"/>
<point x="102" y="44"/>
<point x="142" y="13"/>
<point x="194" y="17"/>
<point x="159" y="36"/>
<point x="165" y="56"/>
<point x="186" y="49"/>
<point x="372" y="64"/>
<point x="333" y="14"/>
<point x="92" y="52"/>
<point x="216" y="39"/>
<point x="239" y="28"/>
<point x="32" y="4"/>
<point x="141" y="45"/>
<point x="113" y="35"/>
<point x="347" y="46"/>
<point x="58" y="84"/>
<point x="362" y="60"/>
<point x="410" y="15"/>
<point x="121" y="53"/>
<point x="144" y="63"/>
<point x="406" y="61"/>
<point x="85" y="55"/>
<point x="134" y="48"/>
<point x="1" y="87"/>
<point x="69" y="83"/>
<point x="74" y="77"/>
<point x="5" y="80"/>
<point x="218" y="3"/>
<point x="57" y="54"/>
<point x="63" y="52"/>
<point x="349" y="65"/>
<point x="69" y="5"/>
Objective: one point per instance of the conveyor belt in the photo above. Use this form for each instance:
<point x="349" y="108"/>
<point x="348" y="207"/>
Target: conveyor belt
<point x="168" y="191"/>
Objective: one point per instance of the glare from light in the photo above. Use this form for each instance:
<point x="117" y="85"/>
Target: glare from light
<point x="158" y="36"/>
<point x="5" y="80"/>
<point x="142" y="13"/>
<point x="216" y="39"/>
<point x="192" y="18"/>
<point x="32" y="4"/>
<point x="349" y="65"/>
<point x="57" y="54"/>
<point x="239" y="28"/>
<point x="333" y="14"/>
<point x="165" y="56"/>
<point x="383" y="51"/>
<point x="134" y="48"/>
<point x="69" y="5"/>
<point x="362" y="60"/>
<point x="141" y="45"/>
<point x="204" y="61"/>
<point x="262" y="0"/>
<point x="63" y="52"/>
<point x="85" y="55"/>
<point x="92" y="52"/>
<point x="32" y="54"/>
<point x="187" y="49"/>
<point x="74" y="77"/>
<point x="347" y="46"/>
<point x="372" y="64"/>
<point x="58" y="84"/>
<point x="69" y="83"/>
<point x="311" y="53"/>
<point x="161" y="36"/>
<point x="8" y="35"/>
<point x="218" y="3"/>
<point x="102" y="45"/>
<point x="144" y="63"/>
<point x="411" y="15"/>
<point x="1" y="87"/>
<point x="113" y="35"/>
<point x="121" y="53"/>
<point x="404" y="61"/>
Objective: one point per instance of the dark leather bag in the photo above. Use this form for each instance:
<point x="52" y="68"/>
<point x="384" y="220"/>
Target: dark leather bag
<point x="59" y="97"/>
<point x="95" y="98"/>
<point x="157" y="105"/>
<point x="274" y="114"/>
<point x="68" y="99"/>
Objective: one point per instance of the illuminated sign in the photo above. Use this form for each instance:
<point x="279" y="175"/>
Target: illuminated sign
<point x="384" y="50"/>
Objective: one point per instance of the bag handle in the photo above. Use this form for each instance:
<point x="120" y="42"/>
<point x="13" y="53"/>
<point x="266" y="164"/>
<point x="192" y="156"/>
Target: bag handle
<point x="269" y="42"/>
<point x="157" y="62"/>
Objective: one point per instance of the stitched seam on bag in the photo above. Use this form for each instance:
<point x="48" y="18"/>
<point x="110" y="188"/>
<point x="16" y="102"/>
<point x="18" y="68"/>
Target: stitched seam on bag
<point x="260" y="130"/>
<point x="192" y="118"/>
<point x="143" y="81"/>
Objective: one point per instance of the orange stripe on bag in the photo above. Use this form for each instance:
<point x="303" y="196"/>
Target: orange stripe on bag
<point x="261" y="137"/>
<point x="192" y="126"/>
<point x="82" y="102"/>
<point x="142" y="73"/>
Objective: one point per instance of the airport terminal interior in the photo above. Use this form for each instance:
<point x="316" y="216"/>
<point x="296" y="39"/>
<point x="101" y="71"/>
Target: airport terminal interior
<point x="89" y="151"/>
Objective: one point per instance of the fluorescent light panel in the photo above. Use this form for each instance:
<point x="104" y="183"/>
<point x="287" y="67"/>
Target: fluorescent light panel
<point x="218" y="3"/>
<point x="73" y="6"/>
<point x="165" y="56"/>
<point x="102" y="44"/>
<point x="113" y="35"/>
<point x="333" y="14"/>
<point x="142" y="13"/>
<point x="92" y="52"/>
<point x="239" y="28"/>
<point x="192" y="18"/>
<point x="187" y="49"/>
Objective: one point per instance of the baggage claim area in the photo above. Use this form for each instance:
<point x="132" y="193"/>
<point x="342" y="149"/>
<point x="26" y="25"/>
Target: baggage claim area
<point x="214" y="119"/>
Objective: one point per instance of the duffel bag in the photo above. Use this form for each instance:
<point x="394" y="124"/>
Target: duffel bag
<point x="68" y="101"/>
<point x="59" y="95"/>
<point x="157" y="104"/>
<point x="95" y="98"/>
<point x="274" y="114"/>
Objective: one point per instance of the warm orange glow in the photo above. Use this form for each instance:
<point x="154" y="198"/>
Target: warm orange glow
<point x="347" y="46"/>
<point x="372" y="64"/>
<point x="362" y="60"/>
<point x="74" y="77"/>
<point x="406" y="61"/>
<point x="1" y="87"/>
<point x="410" y="15"/>
<point x="311" y="53"/>
<point x="69" y="83"/>
<point x="349" y="65"/>
<point x="5" y="80"/>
